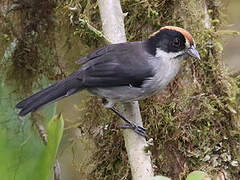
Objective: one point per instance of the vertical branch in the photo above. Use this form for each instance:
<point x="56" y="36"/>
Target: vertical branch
<point x="112" y="20"/>
<point x="207" y="18"/>
<point x="113" y="27"/>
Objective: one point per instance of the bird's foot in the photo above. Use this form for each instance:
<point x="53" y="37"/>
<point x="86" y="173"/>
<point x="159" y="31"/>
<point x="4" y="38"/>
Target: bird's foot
<point x="129" y="125"/>
<point x="137" y="129"/>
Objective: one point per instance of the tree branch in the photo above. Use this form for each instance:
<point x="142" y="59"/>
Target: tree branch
<point x="113" y="27"/>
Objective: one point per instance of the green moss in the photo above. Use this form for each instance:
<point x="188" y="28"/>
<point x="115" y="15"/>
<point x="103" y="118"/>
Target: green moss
<point x="34" y="54"/>
<point x="194" y="118"/>
<point x="86" y="13"/>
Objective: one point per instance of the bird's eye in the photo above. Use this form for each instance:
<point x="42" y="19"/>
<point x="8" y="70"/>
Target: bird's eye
<point x="176" y="43"/>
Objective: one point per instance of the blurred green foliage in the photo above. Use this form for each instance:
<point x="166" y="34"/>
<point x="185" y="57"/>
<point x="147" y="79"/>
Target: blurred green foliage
<point x="22" y="152"/>
<point x="27" y="63"/>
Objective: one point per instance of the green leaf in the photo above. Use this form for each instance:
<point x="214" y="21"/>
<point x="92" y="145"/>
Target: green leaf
<point x="23" y="154"/>
<point x="47" y="157"/>
<point x="197" y="175"/>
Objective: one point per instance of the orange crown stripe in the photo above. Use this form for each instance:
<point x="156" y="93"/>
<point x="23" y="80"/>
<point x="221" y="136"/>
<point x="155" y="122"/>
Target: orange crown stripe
<point x="186" y="34"/>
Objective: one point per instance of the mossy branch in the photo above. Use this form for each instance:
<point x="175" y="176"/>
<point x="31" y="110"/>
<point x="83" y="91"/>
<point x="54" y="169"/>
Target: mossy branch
<point x="113" y="27"/>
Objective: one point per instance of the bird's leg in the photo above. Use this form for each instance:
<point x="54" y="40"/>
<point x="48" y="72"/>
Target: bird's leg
<point x="129" y="125"/>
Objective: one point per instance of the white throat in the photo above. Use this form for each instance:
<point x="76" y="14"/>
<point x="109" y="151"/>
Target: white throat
<point x="172" y="65"/>
<point x="168" y="56"/>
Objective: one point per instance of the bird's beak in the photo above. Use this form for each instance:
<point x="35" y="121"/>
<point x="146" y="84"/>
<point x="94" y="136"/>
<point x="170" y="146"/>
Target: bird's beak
<point x="193" y="52"/>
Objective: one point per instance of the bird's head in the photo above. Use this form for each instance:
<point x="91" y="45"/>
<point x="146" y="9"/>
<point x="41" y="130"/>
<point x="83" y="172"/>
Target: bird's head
<point x="172" y="42"/>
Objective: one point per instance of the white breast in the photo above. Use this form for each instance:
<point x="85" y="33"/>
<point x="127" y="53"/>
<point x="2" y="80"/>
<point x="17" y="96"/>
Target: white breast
<point x="165" y="69"/>
<point x="172" y="68"/>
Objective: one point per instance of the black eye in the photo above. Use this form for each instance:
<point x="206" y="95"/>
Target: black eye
<point x="176" y="43"/>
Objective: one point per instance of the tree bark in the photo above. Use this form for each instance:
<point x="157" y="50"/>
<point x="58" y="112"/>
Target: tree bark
<point x="113" y="26"/>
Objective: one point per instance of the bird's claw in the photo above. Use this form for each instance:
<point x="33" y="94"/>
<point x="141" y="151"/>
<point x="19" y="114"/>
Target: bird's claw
<point x="138" y="129"/>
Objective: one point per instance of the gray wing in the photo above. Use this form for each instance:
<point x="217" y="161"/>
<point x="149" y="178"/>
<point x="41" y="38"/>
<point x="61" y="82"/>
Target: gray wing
<point x="116" y="65"/>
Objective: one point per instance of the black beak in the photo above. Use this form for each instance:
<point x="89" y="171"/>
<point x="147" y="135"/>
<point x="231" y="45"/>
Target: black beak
<point x="193" y="52"/>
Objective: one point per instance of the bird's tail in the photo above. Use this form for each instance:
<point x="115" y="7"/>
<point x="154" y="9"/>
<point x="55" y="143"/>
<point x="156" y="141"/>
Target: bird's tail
<point x="59" y="90"/>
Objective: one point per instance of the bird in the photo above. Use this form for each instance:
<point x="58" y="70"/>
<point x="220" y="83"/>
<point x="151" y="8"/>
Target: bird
<point x="122" y="72"/>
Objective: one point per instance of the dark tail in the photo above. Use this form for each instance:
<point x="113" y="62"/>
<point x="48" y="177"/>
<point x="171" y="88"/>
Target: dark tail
<point x="55" y="92"/>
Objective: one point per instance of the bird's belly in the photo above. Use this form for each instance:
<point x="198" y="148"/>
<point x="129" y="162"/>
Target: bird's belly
<point x="121" y="94"/>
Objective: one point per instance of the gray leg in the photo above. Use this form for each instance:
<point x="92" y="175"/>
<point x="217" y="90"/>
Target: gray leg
<point x="129" y="125"/>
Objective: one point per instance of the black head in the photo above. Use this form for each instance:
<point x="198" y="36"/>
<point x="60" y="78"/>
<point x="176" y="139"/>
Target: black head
<point x="171" y="41"/>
